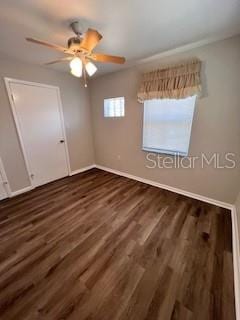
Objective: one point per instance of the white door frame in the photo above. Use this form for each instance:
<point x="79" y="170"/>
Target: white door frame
<point x="18" y="127"/>
<point x="5" y="180"/>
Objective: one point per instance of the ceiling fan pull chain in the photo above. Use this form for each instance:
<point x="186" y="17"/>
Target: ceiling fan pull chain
<point x="85" y="76"/>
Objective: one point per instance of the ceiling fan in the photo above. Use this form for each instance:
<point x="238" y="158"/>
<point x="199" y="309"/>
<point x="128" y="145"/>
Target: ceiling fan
<point x="80" y="52"/>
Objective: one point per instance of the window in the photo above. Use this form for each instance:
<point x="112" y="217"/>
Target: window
<point x="167" y="125"/>
<point x="114" y="107"/>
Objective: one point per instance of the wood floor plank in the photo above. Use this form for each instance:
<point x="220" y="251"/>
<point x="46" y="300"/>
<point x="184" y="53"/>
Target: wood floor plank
<point x="97" y="246"/>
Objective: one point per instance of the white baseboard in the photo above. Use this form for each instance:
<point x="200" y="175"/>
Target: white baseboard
<point x="16" y="193"/>
<point x="82" y="169"/>
<point x="147" y="181"/>
<point x="236" y="261"/>
<point x="169" y="188"/>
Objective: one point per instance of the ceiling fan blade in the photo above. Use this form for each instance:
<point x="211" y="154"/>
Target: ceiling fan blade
<point x="49" y="45"/>
<point x="59" y="60"/>
<point x="106" y="58"/>
<point x="90" y="40"/>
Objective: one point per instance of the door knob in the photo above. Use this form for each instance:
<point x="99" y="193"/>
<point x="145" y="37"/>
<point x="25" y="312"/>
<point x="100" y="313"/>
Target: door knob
<point x="62" y="141"/>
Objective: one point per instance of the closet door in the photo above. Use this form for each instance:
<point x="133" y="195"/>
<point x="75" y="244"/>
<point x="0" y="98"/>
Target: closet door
<point x="4" y="186"/>
<point x="40" y="127"/>
<point x="3" y="192"/>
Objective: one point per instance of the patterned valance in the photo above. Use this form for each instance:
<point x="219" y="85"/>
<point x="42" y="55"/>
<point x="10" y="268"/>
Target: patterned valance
<point x="176" y="82"/>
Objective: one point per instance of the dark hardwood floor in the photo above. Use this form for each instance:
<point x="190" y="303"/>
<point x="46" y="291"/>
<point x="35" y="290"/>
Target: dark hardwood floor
<point x="100" y="246"/>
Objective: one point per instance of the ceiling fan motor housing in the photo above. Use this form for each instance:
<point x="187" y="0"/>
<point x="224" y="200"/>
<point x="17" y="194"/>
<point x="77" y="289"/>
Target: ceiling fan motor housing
<point x="74" y="43"/>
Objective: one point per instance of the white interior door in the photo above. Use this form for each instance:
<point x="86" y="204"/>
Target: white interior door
<point x="4" y="186"/>
<point x="3" y="192"/>
<point x="40" y="125"/>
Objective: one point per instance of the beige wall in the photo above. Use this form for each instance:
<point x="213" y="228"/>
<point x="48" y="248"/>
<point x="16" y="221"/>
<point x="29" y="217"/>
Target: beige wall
<point x="216" y="125"/>
<point x="77" y="118"/>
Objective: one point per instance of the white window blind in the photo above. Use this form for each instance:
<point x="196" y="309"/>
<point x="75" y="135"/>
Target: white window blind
<point x="167" y="125"/>
<point x="114" y="107"/>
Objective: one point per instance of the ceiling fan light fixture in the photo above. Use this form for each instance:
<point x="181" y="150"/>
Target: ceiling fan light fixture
<point x="76" y="73"/>
<point x="90" y="68"/>
<point x="76" y="66"/>
<point x="76" y="63"/>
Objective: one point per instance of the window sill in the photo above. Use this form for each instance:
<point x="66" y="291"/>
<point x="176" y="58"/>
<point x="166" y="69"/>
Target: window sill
<point x="165" y="152"/>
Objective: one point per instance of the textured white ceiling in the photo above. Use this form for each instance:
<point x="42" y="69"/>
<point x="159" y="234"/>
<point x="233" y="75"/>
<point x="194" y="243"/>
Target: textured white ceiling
<point x="135" y="29"/>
